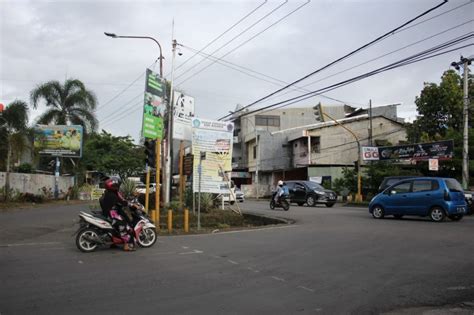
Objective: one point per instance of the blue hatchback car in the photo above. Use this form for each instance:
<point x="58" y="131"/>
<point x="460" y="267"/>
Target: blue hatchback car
<point x="435" y="197"/>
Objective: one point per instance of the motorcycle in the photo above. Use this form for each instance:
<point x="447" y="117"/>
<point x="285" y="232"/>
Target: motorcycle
<point x="95" y="230"/>
<point x="282" y="202"/>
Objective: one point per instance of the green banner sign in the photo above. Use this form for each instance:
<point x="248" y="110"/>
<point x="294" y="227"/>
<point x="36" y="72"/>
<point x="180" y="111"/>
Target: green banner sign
<point x="154" y="106"/>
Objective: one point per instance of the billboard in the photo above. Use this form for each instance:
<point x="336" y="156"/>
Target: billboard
<point x="154" y="106"/>
<point x="59" y="140"/>
<point x="215" y="139"/>
<point x="183" y="113"/>
<point x="441" y="150"/>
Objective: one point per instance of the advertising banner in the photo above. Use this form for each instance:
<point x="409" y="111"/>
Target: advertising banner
<point x="154" y="107"/>
<point x="59" y="140"/>
<point x="370" y="153"/>
<point x="183" y="114"/>
<point x="441" y="150"/>
<point x="215" y="139"/>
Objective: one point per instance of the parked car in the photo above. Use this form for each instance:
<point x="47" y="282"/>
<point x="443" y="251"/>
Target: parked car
<point x="141" y="188"/>
<point x="421" y="196"/>
<point x="239" y="195"/>
<point x="469" y="201"/>
<point x="311" y="193"/>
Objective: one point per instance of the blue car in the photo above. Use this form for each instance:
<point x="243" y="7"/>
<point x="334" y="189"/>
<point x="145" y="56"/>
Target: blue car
<point x="435" y="197"/>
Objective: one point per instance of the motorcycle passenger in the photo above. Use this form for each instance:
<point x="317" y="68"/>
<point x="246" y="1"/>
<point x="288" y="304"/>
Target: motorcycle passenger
<point x="112" y="203"/>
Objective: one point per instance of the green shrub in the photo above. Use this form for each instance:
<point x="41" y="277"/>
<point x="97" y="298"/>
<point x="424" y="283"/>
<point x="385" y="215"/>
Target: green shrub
<point x="128" y="188"/>
<point x="25" y="168"/>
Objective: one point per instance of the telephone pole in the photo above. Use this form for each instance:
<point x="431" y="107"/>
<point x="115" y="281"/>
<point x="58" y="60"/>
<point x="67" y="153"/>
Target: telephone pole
<point x="465" y="62"/>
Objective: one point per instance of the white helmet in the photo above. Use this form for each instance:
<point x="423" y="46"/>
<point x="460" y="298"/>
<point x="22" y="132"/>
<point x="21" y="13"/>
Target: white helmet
<point x="280" y="183"/>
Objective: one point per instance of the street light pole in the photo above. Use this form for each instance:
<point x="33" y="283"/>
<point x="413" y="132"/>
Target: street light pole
<point x="465" y="62"/>
<point x="141" y="37"/>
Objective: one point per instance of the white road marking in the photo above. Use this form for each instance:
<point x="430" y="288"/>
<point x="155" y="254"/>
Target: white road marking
<point x="193" y="252"/>
<point x="29" y="244"/>
<point x="233" y="262"/>
<point x="307" y="289"/>
<point x="253" y="270"/>
<point x="278" y="279"/>
<point x="185" y="247"/>
<point x="215" y="256"/>
<point x="458" y="288"/>
<point x="240" y="231"/>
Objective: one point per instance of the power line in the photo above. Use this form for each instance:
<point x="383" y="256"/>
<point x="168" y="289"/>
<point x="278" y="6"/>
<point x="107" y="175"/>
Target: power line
<point x="123" y="107"/>
<point x="245" y="42"/>
<point x="365" y="46"/>
<point x="222" y="34"/>
<point x="235" y="37"/>
<point x="387" y="54"/>
<point x="123" y="115"/>
<point x="248" y="71"/>
<point x="414" y="58"/>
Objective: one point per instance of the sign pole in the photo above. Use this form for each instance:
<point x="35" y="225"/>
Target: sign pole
<point x="181" y="174"/>
<point x="147" y="189"/>
<point x="56" y="179"/>
<point x="157" y="180"/>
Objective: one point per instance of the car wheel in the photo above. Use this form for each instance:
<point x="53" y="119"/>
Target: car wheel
<point x="437" y="214"/>
<point x="310" y="201"/>
<point x="398" y="216"/>
<point x="300" y="203"/>
<point x="329" y="205"/>
<point x="378" y="212"/>
<point x="456" y="217"/>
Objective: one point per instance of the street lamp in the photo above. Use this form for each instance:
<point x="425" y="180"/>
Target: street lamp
<point x="141" y="37"/>
<point x="465" y="62"/>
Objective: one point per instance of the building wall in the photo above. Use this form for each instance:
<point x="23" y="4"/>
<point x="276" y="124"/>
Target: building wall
<point x="338" y="146"/>
<point x="33" y="183"/>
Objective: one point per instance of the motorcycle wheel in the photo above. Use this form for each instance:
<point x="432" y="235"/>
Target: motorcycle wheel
<point x="147" y="237"/>
<point x="83" y="240"/>
<point x="272" y="204"/>
<point x="285" y="204"/>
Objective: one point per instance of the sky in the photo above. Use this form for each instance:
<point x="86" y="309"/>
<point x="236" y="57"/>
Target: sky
<point x="42" y="41"/>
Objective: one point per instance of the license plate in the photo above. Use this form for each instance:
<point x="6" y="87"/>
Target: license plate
<point x="461" y="210"/>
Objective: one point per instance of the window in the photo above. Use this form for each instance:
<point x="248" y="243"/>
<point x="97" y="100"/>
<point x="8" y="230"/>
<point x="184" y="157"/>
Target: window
<point x="315" y="145"/>
<point x="255" y="152"/>
<point x="424" y="185"/>
<point x="453" y="185"/>
<point x="272" y="121"/>
<point x="401" y="188"/>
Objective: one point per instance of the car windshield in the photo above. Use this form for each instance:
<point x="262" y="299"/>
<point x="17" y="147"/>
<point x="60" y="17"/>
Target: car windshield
<point x="313" y="185"/>
<point x="453" y="185"/>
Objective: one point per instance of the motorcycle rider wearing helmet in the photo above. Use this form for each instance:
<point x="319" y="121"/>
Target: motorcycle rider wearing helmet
<point x="280" y="191"/>
<point x="112" y="203"/>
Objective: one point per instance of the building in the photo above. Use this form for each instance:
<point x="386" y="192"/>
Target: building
<point x="290" y="144"/>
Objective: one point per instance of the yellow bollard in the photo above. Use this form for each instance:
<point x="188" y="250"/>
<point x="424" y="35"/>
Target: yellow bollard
<point x="186" y="220"/>
<point x="170" y="221"/>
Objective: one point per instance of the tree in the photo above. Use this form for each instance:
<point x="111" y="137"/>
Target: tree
<point x="441" y="118"/>
<point x="13" y="128"/>
<point x="113" y="155"/>
<point x="68" y="103"/>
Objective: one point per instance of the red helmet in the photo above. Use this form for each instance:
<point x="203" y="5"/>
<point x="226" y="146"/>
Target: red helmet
<point x="113" y="183"/>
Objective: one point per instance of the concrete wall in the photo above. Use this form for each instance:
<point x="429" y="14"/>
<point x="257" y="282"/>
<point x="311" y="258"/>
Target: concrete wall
<point x="338" y="146"/>
<point x="33" y="183"/>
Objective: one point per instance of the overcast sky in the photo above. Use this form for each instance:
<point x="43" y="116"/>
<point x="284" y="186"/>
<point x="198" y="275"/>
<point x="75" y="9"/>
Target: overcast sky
<point x="55" y="40"/>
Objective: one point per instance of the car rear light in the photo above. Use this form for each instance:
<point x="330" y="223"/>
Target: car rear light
<point x="447" y="196"/>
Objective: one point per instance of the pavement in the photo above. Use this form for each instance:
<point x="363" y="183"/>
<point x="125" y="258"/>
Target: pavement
<point x="330" y="261"/>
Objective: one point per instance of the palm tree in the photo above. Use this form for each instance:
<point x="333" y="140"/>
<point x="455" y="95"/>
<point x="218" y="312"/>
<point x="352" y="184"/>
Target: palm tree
<point x="13" y="127"/>
<point x="68" y="103"/>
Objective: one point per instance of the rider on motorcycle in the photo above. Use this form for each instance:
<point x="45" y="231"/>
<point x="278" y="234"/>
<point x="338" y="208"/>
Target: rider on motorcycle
<point x="280" y="191"/>
<point x="112" y="203"/>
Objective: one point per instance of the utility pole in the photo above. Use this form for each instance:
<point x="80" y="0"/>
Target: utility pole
<point x="256" y="161"/>
<point x="169" y="165"/>
<point x="370" y="123"/>
<point x="465" y="62"/>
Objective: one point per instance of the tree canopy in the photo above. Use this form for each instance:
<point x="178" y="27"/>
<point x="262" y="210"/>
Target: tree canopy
<point x="113" y="155"/>
<point x="68" y="102"/>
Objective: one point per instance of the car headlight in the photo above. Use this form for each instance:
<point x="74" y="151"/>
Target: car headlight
<point x="319" y="192"/>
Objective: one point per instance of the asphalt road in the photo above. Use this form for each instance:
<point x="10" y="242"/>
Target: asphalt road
<point x="331" y="261"/>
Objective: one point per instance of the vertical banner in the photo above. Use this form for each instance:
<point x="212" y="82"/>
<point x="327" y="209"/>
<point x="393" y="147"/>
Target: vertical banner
<point x="154" y="106"/>
<point x="183" y="114"/>
<point x="215" y="139"/>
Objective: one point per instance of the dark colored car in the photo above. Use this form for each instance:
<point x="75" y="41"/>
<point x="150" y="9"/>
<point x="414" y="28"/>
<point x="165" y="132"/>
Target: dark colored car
<point x="311" y="193"/>
<point x="421" y="196"/>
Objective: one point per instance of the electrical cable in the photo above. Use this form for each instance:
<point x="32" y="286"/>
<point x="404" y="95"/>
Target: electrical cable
<point x="400" y="63"/>
<point x="235" y="37"/>
<point x="365" y="46"/>
<point x="220" y="36"/>
<point x="245" y="42"/>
